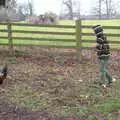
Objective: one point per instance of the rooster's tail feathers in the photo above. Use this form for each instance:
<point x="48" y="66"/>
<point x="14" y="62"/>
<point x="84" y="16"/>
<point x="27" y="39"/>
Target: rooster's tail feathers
<point x="5" y="70"/>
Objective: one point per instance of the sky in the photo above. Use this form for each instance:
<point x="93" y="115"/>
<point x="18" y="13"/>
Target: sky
<point x="42" y="6"/>
<point x="56" y="5"/>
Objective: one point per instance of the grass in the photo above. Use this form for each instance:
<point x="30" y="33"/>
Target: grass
<point x="109" y="106"/>
<point x="76" y="99"/>
<point x="67" y="22"/>
<point x="93" y="22"/>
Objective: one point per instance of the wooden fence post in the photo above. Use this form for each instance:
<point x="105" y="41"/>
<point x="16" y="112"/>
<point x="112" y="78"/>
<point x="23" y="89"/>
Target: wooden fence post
<point x="79" y="38"/>
<point x="10" y="42"/>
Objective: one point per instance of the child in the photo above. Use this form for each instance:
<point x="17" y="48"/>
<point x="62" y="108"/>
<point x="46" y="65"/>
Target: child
<point x="103" y="52"/>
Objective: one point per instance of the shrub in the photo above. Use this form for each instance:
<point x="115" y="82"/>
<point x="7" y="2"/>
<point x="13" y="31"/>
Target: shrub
<point x="47" y="18"/>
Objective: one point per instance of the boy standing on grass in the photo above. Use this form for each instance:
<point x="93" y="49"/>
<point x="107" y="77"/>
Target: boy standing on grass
<point x="103" y="52"/>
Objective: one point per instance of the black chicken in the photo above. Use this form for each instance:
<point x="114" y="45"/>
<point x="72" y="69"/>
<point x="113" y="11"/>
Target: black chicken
<point x="3" y="73"/>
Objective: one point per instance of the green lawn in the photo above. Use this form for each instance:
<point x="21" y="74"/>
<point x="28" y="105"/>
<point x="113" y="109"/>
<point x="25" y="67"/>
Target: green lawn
<point x="93" y="22"/>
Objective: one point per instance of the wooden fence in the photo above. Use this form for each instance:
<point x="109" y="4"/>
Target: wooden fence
<point x="78" y="37"/>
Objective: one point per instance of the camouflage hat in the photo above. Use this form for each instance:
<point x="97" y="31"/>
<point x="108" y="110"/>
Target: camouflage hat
<point x="98" y="29"/>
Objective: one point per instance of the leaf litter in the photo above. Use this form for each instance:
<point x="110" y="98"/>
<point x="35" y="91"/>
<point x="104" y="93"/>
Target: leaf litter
<point x="42" y="85"/>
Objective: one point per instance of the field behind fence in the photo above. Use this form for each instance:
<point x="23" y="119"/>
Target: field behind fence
<point x="76" y="36"/>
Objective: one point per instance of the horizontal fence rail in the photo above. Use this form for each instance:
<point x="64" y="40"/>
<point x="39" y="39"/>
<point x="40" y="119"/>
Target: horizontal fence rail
<point x="50" y="36"/>
<point x="44" y="39"/>
<point x="43" y="32"/>
<point x="42" y="25"/>
<point x="105" y="27"/>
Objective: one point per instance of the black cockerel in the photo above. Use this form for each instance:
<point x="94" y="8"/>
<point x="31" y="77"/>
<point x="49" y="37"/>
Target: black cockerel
<point x="3" y="73"/>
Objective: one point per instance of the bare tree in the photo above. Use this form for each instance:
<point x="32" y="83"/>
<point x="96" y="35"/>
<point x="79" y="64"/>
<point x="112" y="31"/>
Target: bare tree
<point x="105" y="7"/>
<point x="23" y="11"/>
<point x="30" y="7"/>
<point x="2" y="3"/>
<point x="8" y="3"/>
<point x="72" y="8"/>
<point x="98" y="10"/>
<point x="109" y="8"/>
<point x="100" y="1"/>
<point x="12" y="4"/>
<point x="8" y="12"/>
<point x="69" y="6"/>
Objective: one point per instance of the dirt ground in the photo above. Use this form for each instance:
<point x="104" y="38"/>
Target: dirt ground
<point x="32" y="74"/>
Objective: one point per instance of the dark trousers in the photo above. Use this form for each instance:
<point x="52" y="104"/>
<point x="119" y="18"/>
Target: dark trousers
<point x="104" y="73"/>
